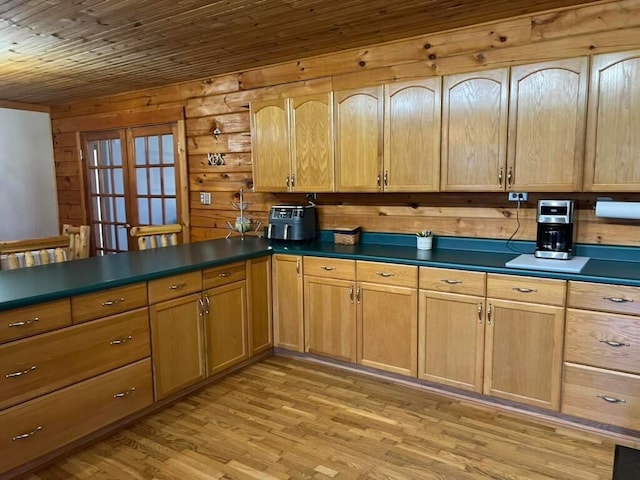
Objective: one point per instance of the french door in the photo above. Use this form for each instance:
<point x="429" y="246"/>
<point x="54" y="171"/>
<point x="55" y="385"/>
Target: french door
<point x="132" y="179"/>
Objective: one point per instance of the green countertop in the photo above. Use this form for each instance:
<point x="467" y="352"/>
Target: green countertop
<point x="25" y="286"/>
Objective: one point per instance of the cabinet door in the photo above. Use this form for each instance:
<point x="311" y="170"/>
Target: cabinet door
<point x="523" y="352"/>
<point x="288" y="311"/>
<point x="359" y="136"/>
<point x="474" y="131"/>
<point x="412" y="136"/>
<point x="388" y="328"/>
<point x="226" y="326"/>
<point x="270" y="146"/>
<point x="259" y="304"/>
<point x="613" y="141"/>
<point x="451" y="339"/>
<point x="312" y="143"/>
<point x="177" y="344"/>
<point x="330" y="317"/>
<point x="547" y="126"/>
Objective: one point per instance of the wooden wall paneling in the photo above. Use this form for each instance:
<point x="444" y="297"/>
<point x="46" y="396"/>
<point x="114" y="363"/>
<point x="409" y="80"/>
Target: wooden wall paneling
<point x="127" y="118"/>
<point x="230" y="142"/>
<point x="233" y="102"/>
<point x="586" y="20"/>
<point x="427" y="47"/>
<point x="240" y="162"/>
<point x="256" y="202"/>
<point x="229" y="123"/>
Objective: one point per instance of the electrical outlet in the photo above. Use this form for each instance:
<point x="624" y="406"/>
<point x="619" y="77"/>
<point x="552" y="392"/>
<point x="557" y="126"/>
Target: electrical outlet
<point x="515" y="196"/>
<point x="205" y="198"/>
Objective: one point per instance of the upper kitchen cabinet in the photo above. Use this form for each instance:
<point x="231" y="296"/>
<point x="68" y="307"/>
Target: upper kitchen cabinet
<point x="311" y="143"/>
<point x="359" y="138"/>
<point x="412" y="136"/>
<point x="613" y="129"/>
<point x="547" y="126"/>
<point x="270" y="146"/>
<point x="474" y="131"/>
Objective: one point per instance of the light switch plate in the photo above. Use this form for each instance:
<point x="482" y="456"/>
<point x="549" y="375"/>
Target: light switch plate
<point x="205" y="198"/>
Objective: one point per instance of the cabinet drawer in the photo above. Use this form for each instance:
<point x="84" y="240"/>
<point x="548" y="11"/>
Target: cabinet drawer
<point x="47" y="362"/>
<point x="52" y="421"/>
<point x="387" y="274"/>
<point x="28" y="321"/>
<point x="224" y="275"/>
<point x="602" y="395"/>
<point x="526" y="289"/>
<point x="107" y="302"/>
<point x="453" y="281"/>
<point x="330" y="268"/>
<point x="174" y="286"/>
<point x="603" y="340"/>
<point x="607" y="298"/>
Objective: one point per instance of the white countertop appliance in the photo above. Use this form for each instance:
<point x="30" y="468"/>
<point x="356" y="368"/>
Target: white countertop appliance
<point x="292" y="222"/>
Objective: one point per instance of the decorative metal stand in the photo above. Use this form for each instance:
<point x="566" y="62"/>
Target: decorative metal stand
<point x="243" y="224"/>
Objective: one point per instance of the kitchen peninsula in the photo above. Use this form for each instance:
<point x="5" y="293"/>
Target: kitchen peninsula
<point x="221" y="291"/>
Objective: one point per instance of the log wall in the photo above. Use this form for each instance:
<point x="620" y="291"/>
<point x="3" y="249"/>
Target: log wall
<point x="578" y="31"/>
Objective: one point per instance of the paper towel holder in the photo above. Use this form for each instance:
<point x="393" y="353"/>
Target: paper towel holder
<point x="601" y="199"/>
<point x="615" y="209"/>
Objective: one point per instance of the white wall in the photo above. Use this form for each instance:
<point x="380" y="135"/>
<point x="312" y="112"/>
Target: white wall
<point x="28" y="196"/>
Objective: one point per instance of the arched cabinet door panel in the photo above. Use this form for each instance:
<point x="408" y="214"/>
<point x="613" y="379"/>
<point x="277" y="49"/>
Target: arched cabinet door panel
<point x="612" y="161"/>
<point x="547" y="126"/>
<point x="270" y="146"/>
<point x="474" y="131"/>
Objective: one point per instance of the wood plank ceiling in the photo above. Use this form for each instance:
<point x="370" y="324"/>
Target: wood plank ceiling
<point x="54" y="51"/>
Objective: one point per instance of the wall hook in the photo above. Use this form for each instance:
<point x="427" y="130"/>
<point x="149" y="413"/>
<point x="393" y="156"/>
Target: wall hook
<point x="216" y="130"/>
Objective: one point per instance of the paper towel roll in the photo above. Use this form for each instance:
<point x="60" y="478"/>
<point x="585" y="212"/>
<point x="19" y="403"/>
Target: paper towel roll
<point x="618" y="209"/>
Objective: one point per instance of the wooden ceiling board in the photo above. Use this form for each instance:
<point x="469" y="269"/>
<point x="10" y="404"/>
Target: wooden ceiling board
<point x="57" y="51"/>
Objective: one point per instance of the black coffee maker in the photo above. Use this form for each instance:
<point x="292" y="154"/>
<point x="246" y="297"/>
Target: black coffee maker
<point x="556" y="235"/>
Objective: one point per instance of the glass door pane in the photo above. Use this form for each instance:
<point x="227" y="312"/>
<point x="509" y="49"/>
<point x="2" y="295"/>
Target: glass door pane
<point x="106" y="179"/>
<point x="154" y="170"/>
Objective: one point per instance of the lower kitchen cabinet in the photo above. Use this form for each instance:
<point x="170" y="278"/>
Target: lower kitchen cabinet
<point x="259" y="305"/>
<point x="523" y="360"/>
<point x="42" y="425"/>
<point x="387" y="317"/>
<point x="524" y="339"/>
<point x="288" y="310"/>
<point x="452" y="327"/>
<point x="226" y="326"/>
<point x="451" y="346"/>
<point x="177" y="342"/>
<point x="330" y="317"/>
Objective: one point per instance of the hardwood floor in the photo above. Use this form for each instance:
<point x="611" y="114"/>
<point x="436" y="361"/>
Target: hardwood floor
<point x="288" y="418"/>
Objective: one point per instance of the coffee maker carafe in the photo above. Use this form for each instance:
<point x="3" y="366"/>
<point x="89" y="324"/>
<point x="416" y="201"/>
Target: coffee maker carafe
<point x="556" y="234"/>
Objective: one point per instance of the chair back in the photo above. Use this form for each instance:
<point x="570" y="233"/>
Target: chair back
<point x="79" y="239"/>
<point x="152" y="236"/>
<point x="35" y="251"/>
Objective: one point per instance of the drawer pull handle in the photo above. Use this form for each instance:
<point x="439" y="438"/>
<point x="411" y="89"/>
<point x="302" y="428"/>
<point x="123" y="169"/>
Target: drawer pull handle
<point x="225" y="274"/>
<point x="27" y="435"/>
<point x="611" y="399"/>
<point x="480" y="313"/>
<point x="524" y="290"/>
<point x="385" y="274"/>
<point x="451" y="282"/>
<point x="613" y="343"/>
<point x="109" y="303"/>
<point x="618" y="299"/>
<point x="177" y="286"/>
<point x="124" y="394"/>
<point x="24" y="322"/>
<point x="351" y="294"/>
<point x="20" y="373"/>
<point x="328" y="269"/>
<point x="120" y="341"/>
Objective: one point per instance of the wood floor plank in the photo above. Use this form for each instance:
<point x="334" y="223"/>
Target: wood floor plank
<point x="286" y="418"/>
